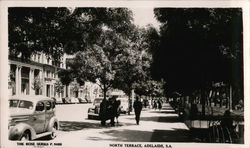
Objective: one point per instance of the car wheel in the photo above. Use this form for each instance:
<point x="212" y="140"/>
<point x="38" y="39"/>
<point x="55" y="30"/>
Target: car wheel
<point x="53" y="131"/>
<point x="25" y="136"/>
<point x="89" y="117"/>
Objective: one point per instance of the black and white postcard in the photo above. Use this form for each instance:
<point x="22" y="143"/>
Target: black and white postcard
<point x="124" y="74"/>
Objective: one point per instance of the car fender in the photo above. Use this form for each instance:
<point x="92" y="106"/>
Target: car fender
<point x="17" y="131"/>
<point x="51" y="123"/>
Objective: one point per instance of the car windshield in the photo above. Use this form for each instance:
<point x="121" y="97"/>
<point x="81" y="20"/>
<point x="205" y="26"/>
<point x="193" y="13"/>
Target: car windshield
<point x="21" y="104"/>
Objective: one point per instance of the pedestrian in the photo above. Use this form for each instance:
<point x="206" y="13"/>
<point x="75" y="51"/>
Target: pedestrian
<point x="227" y="120"/>
<point x="159" y="104"/>
<point x="103" y="111"/>
<point x="112" y="110"/>
<point x="137" y="107"/>
<point x="155" y="105"/>
<point x="118" y="109"/>
<point x="145" y="103"/>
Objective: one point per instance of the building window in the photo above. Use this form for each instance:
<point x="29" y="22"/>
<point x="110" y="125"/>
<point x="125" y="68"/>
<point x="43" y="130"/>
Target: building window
<point x="25" y="80"/>
<point x="39" y="56"/>
<point x="34" y="57"/>
<point x="48" y="74"/>
<point x="47" y="60"/>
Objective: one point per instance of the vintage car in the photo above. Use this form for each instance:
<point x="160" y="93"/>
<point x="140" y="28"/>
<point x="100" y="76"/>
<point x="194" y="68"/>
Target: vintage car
<point x="93" y="112"/>
<point x="124" y="106"/>
<point x="82" y="100"/>
<point x="32" y="117"/>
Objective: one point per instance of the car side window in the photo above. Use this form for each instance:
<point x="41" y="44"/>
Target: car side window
<point x="48" y="105"/>
<point x="40" y="107"/>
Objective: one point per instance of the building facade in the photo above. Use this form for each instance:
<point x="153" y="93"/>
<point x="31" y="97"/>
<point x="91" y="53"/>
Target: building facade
<point x="36" y="76"/>
<point x="39" y="76"/>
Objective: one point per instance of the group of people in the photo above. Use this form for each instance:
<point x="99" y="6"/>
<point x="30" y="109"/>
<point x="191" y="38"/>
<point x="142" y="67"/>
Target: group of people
<point x="157" y="104"/>
<point x="110" y="110"/>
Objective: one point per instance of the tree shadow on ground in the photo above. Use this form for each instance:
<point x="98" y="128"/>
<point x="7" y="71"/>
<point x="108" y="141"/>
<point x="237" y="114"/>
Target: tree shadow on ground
<point x="123" y="135"/>
<point x="165" y="119"/>
<point x="75" y="126"/>
<point x="175" y="135"/>
<point x="163" y="111"/>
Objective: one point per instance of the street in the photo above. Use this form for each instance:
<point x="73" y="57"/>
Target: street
<point x="155" y="126"/>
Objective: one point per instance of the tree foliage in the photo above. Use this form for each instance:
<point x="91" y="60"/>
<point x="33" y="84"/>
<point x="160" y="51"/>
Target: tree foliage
<point x="34" y="30"/>
<point x="58" y="86"/>
<point x="198" y="46"/>
<point x="55" y="31"/>
<point x="99" y="62"/>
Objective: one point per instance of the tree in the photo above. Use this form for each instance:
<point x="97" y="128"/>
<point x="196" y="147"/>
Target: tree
<point x="198" y="46"/>
<point x="55" y="31"/>
<point x="37" y="85"/>
<point x="34" y="30"/>
<point x="66" y="77"/>
<point x="58" y="86"/>
<point x="133" y="63"/>
<point x="99" y="62"/>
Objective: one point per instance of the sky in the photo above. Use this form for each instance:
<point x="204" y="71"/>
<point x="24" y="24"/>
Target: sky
<point x="144" y="16"/>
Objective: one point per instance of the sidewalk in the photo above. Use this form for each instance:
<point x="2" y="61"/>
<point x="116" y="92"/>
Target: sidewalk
<point x="155" y="126"/>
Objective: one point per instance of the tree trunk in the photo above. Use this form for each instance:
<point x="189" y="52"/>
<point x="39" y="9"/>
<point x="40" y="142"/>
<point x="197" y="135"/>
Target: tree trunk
<point x="67" y="91"/>
<point x="203" y="101"/>
<point x="104" y="91"/>
<point x="129" y="102"/>
<point x="230" y="97"/>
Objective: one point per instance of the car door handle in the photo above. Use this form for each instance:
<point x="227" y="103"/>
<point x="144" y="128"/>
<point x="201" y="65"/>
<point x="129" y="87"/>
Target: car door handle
<point x="34" y="118"/>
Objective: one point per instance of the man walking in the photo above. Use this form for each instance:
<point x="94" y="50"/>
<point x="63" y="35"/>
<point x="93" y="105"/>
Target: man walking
<point x="137" y="107"/>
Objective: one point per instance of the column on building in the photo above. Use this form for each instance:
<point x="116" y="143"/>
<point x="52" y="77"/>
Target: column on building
<point x="51" y="90"/>
<point x="44" y="92"/>
<point x="40" y="75"/>
<point x="10" y="89"/>
<point x="64" y="91"/>
<point x="18" y="79"/>
<point x="31" y="81"/>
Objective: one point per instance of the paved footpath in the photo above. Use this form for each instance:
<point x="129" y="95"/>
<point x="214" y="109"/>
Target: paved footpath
<point x="155" y="126"/>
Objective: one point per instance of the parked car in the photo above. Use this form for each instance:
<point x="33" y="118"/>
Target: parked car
<point x="32" y="117"/>
<point x="57" y="100"/>
<point x="82" y="100"/>
<point x="124" y="105"/>
<point x="74" y="100"/>
<point x="93" y="112"/>
<point x="66" y="100"/>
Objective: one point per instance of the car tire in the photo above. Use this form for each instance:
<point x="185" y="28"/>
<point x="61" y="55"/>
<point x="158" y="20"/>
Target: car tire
<point x="89" y="117"/>
<point x="25" y="136"/>
<point x="54" y="132"/>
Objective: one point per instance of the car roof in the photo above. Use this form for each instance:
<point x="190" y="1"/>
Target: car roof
<point x="32" y="98"/>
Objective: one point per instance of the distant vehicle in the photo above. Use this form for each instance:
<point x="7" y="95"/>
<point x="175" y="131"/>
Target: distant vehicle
<point x="124" y="105"/>
<point x="66" y="100"/>
<point x="70" y="100"/>
<point x="89" y="100"/>
<point x="93" y="112"/>
<point x="32" y="117"/>
<point x="57" y="100"/>
<point x="82" y="100"/>
<point x="74" y="100"/>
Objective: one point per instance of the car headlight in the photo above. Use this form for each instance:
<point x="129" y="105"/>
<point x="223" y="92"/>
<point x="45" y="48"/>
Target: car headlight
<point x="11" y="123"/>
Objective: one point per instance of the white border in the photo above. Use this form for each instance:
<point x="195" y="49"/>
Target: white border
<point x="180" y="4"/>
